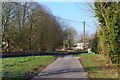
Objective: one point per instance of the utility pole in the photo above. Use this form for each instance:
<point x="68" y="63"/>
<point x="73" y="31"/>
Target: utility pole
<point x="84" y="36"/>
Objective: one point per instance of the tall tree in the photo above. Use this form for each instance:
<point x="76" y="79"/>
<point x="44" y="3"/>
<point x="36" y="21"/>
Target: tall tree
<point x="71" y="33"/>
<point x="30" y="27"/>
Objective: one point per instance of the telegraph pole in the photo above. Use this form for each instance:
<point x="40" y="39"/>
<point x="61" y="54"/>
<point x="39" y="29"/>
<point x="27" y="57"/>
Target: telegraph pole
<point x="84" y="36"/>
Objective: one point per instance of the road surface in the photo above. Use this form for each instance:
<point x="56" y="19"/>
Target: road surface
<point x="64" y="67"/>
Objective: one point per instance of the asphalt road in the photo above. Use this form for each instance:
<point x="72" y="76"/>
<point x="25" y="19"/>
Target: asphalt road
<point x="63" y="67"/>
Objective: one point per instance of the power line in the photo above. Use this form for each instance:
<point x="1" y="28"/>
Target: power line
<point x="47" y="14"/>
<point x="53" y="15"/>
<point x="91" y="26"/>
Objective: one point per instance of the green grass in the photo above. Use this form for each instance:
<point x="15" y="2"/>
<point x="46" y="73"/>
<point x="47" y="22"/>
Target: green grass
<point x="0" y="68"/>
<point x="98" y="67"/>
<point x="22" y="67"/>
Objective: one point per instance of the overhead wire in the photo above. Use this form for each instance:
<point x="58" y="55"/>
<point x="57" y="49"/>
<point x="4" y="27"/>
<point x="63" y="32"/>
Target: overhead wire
<point x="54" y="16"/>
<point x="90" y="26"/>
<point x="47" y="14"/>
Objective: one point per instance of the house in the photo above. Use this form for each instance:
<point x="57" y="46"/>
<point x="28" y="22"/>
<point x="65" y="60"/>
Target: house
<point x="78" y="46"/>
<point x="81" y="46"/>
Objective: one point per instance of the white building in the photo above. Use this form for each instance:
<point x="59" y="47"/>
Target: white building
<point x="79" y="46"/>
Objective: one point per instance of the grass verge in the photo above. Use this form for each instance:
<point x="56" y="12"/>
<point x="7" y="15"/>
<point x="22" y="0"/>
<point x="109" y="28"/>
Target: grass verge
<point x="97" y="66"/>
<point x="23" y="68"/>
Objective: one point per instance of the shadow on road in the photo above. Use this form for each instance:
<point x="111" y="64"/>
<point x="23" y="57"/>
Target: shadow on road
<point x="90" y="69"/>
<point x="60" y="71"/>
<point x="25" y="54"/>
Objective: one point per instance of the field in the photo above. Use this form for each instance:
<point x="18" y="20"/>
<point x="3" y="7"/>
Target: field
<point x="97" y="66"/>
<point x="24" y="67"/>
